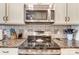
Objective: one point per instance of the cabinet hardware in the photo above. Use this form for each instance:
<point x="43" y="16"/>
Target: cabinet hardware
<point x="5" y="51"/>
<point x="65" y="19"/>
<point x="5" y="18"/>
<point x="68" y="19"/>
<point x="77" y="52"/>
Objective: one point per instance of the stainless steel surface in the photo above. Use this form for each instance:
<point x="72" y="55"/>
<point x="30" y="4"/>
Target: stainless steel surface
<point x="39" y="51"/>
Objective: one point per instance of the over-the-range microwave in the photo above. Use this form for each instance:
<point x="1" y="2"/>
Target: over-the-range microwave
<point x="39" y="13"/>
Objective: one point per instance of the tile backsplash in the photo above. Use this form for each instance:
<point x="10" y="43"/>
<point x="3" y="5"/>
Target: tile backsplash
<point x="39" y="27"/>
<point x="34" y="27"/>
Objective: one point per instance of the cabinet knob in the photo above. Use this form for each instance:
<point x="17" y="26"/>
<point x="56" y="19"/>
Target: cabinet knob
<point x="5" y="51"/>
<point x="68" y="19"/>
<point x="5" y="18"/>
<point x="77" y="52"/>
<point x="65" y="19"/>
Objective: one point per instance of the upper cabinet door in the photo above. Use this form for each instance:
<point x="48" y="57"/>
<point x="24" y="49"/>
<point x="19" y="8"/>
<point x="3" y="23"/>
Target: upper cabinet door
<point x="16" y="13"/>
<point x="60" y="13"/>
<point x="2" y="13"/>
<point x="73" y="13"/>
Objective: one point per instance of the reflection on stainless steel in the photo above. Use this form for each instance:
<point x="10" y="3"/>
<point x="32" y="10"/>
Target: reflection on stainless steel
<point x="39" y="40"/>
<point x="40" y="51"/>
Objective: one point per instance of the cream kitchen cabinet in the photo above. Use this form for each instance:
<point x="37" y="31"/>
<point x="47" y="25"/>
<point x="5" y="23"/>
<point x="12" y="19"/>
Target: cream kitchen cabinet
<point x="69" y="51"/>
<point x="2" y="13"/>
<point x="67" y="13"/>
<point x="73" y="13"/>
<point x="15" y="13"/>
<point x="8" y="51"/>
<point x="60" y="13"/>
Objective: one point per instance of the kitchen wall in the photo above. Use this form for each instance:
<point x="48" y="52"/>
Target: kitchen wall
<point x="34" y="27"/>
<point x="30" y="27"/>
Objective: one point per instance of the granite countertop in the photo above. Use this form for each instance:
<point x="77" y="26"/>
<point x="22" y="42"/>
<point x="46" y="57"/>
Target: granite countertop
<point x="13" y="43"/>
<point x="63" y="43"/>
